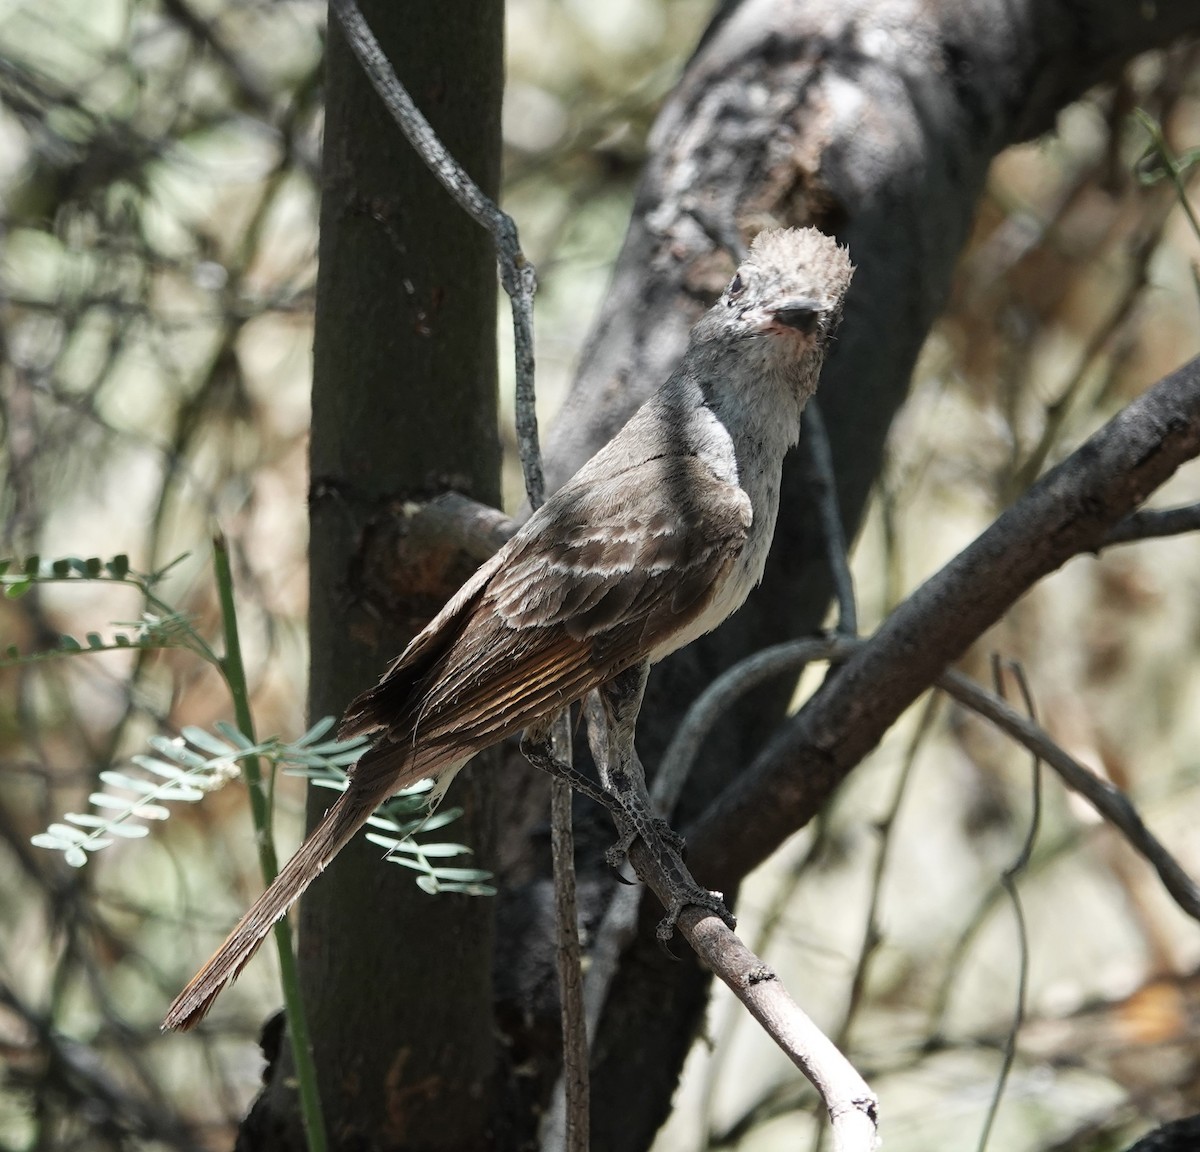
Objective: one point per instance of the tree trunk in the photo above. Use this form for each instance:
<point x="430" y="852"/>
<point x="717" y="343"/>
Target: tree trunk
<point x="397" y="982"/>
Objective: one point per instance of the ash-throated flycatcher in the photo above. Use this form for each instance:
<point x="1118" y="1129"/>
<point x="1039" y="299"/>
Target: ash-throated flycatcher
<point x="655" y="541"/>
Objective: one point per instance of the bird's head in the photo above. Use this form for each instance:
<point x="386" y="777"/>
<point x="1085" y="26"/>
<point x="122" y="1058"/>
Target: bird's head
<point x="788" y="290"/>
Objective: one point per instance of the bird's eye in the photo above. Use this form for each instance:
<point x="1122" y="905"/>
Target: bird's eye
<point x="736" y="287"/>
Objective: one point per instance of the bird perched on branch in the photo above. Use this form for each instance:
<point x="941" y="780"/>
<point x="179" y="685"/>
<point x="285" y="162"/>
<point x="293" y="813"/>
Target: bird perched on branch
<point x="654" y="542"/>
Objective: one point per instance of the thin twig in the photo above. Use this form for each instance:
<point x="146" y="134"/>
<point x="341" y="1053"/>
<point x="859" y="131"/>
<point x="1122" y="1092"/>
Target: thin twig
<point x="851" y="1103"/>
<point x="873" y="930"/>
<point x="568" y="1127"/>
<point x="1009" y="882"/>
<point x="1108" y="800"/>
<point x="822" y="484"/>
<point x="517" y="275"/>
<point x="618" y="928"/>
<point x="788" y="659"/>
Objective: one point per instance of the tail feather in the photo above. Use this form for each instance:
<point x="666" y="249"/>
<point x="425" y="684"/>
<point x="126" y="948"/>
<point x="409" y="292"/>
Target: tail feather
<point x="336" y="828"/>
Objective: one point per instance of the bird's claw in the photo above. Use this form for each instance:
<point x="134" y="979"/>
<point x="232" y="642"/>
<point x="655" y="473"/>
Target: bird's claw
<point x="681" y="897"/>
<point x="616" y="856"/>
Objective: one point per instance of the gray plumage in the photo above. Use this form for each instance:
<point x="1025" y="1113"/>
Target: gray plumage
<point x="655" y="541"/>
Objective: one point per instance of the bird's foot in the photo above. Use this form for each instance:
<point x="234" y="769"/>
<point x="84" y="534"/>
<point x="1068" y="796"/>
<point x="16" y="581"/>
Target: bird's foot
<point x="666" y="847"/>
<point x="689" y="892"/>
<point x="618" y="855"/>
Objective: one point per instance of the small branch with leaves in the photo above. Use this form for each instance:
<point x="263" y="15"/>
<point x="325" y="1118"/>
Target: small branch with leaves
<point x="184" y="768"/>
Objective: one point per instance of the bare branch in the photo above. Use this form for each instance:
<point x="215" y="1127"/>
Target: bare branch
<point x="1108" y="800"/>
<point x="1068" y="512"/>
<point x="568" y="1125"/>
<point x="517" y="275"/>
<point x="1008" y="881"/>
<point x="1152" y="523"/>
<point x="822" y="482"/>
<point x="619" y="925"/>
<point x="850" y="1101"/>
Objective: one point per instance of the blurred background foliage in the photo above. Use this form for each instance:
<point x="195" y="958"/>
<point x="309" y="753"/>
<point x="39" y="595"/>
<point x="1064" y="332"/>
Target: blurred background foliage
<point x="159" y="181"/>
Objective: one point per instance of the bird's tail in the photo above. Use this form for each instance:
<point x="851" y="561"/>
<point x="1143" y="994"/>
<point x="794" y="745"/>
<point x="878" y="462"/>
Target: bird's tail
<point x="336" y="828"/>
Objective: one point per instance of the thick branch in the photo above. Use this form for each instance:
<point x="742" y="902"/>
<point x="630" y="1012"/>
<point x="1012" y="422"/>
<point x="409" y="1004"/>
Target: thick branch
<point x="1069" y="511"/>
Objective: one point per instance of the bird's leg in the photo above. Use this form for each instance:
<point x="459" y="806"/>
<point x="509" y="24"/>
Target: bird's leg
<point x="599" y="726"/>
<point x="538" y="748"/>
<point x="624" y="776"/>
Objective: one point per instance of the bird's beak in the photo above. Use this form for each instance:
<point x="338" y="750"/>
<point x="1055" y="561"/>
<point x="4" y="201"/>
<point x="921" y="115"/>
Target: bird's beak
<point x="800" y="313"/>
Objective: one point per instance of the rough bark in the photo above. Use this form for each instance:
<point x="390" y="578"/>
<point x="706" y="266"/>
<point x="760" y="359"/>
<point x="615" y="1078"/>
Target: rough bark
<point x="876" y="121"/>
<point x="398" y="983"/>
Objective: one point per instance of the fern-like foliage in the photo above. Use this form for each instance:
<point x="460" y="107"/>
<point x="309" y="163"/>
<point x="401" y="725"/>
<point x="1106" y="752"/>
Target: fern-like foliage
<point x="186" y="768"/>
<point x="400" y="819"/>
<point x="159" y="626"/>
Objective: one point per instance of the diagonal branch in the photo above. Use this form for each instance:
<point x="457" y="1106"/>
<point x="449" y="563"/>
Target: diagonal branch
<point x="517" y="275"/>
<point x="1069" y="511"/>
<point x="1108" y="800"/>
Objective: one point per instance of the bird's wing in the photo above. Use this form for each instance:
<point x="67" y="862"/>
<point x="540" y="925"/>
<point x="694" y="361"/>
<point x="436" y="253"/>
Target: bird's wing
<point x="598" y="580"/>
<point x="378" y="707"/>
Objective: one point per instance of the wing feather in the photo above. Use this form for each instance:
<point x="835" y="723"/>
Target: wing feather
<point x="595" y="581"/>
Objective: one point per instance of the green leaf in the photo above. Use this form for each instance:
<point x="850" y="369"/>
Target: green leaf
<point x="465" y="874"/>
<point x="290" y="754"/>
<point x="152" y="812"/>
<point x="206" y="741"/>
<point x="46" y="840"/>
<point x="104" y="800"/>
<point x="61" y="568"/>
<point x="1186" y="161"/>
<point x="32" y="564"/>
<point x="441" y="851"/>
<point x="17" y="589"/>
<point x="334" y="747"/>
<point x="95" y="640"/>
<point x="158" y="767"/>
<point x="177" y="751"/>
<point x="441" y="818"/>
<point x="234" y="735"/>
<point x="118" y="566"/>
<point x="129" y="783"/>
<point x="92" y="567"/>
<point x="399" y="831"/>
<point x="69" y="644"/>
<point x="470" y="889"/>
<point x="407" y="862"/>
<point x="407" y="804"/>
<point x="184" y="792"/>
<point x="327" y="782"/>
<point x="315" y="732"/>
